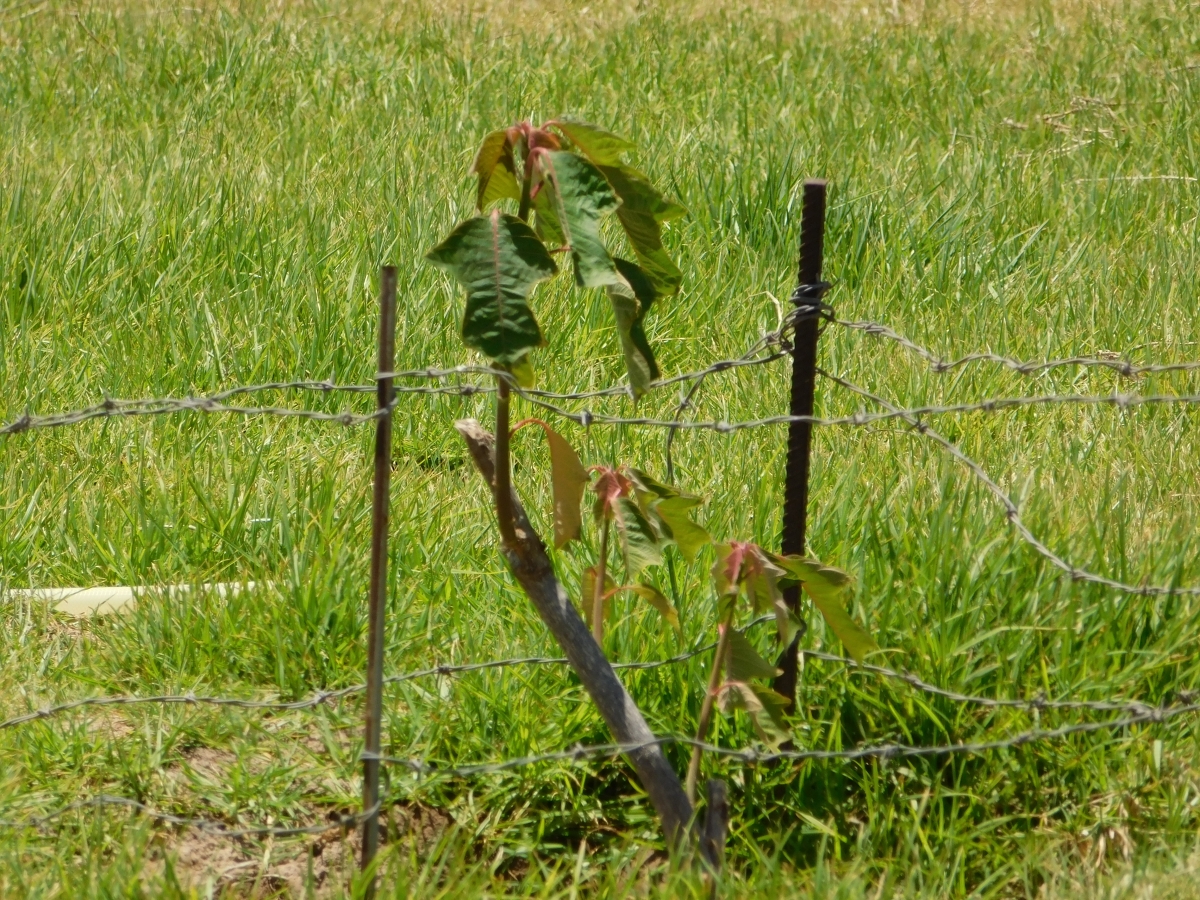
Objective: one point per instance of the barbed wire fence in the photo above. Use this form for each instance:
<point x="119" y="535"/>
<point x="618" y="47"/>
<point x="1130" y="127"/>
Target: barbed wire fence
<point x="769" y="348"/>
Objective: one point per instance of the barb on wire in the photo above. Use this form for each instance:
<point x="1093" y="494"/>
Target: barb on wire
<point x="1010" y="508"/>
<point x="1024" y="367"/>
<point x="208" y="826"/>
<point x="1145" y="715"/>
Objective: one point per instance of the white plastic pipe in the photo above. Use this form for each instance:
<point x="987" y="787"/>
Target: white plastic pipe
<point x="102" y="601"/>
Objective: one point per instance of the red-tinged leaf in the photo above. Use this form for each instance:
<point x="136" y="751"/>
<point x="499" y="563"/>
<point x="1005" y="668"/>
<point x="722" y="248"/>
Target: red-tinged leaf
<point x="496" y="169"/>
<point x="541" y="139"/>
<point x="760" y="580"/>
<point x="828" y="587"/>
<point x="610" y="485"/>
<point x="600" y="146"/>
<point x="746" y="568"/>
<point x="498" y="259"/>
<point x="744" y="662"/>
<point x="568" y="479"/>
<point x="580" y="196"/>
<point x="727" y="570"/>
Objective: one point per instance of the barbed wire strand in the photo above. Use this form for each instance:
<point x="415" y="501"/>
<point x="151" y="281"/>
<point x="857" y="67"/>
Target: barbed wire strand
<point x="1025" y="367"/>
<point x="587" y="418"/>
<point x="1147" y="715"/>
<point x="746" y="755"/>
<point x="775" y="342"/>
<point x="1010" y="508"/>
<point x="859" y="419"/>
<point x="320" y="697"/>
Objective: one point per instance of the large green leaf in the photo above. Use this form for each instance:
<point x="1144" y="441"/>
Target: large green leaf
<point x="631" y="298"/>
<point x="496" y="169"/>
<point x="669" y="510"/>
<point x="639" y="541"/>
<point x="688" y="536"/>
<point x="545" y="220"/>
<point x="646" y="237"/>
<point x="764" y="706"/>
<point x="498" y="259"/>
<point x="638" y="193"/>
<point x="744" y="662"/>
<point x="828" y="587"/>
<point x="580" y="195"/>
<point x="600" y="146"/>
<point x="643" y="209"/>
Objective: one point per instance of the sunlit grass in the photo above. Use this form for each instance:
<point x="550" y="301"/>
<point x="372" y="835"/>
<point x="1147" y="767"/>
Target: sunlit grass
<point x="193" y="198"/>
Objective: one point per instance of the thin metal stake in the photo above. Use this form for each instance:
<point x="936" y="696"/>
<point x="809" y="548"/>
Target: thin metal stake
<point x="804" y="377"/>
<point x="377" y="600"/>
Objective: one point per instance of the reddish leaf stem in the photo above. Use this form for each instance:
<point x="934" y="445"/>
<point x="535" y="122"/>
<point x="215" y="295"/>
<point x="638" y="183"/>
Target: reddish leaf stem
<point x="601" y="578"/>
<point x="526" y="188"/>
<point x="710" y="698"/>
<point x="502" y="485"/>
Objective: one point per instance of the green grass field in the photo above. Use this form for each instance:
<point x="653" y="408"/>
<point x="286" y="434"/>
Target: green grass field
<point x="193" y="198"/>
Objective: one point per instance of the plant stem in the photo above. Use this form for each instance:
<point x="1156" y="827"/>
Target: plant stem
<point x="710" y="698"/>
<point x="502" y="488"/>
<point x="526" y="190"/>
<point x="598" y="593"/>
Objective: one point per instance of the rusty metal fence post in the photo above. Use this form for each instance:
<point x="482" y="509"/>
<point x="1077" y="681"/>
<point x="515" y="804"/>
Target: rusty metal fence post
<point x="377" y="598"/>
<point x="807" y="301"/>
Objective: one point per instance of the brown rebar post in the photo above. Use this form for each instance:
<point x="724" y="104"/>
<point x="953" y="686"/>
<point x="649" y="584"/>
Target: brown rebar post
<point x="804" y="377"/>
<point x="377" y="599"/>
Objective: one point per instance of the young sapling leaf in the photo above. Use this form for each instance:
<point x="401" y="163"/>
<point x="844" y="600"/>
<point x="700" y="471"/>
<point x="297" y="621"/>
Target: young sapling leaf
<point x="615" y="503"/>
<point x="827" y="587"/>
<point x="580" y="196"/>
<point x="764" y="706"/>
<point x="568" y="480"/>
<point x="743" y="662"/>
<point x="600" y="146"/>
<point x="655" y="598"/>
<point x="498" y="259"/>
<point x="669" y="511"/>
<point x="496" y="170"/>
<point x="639" y="542"/>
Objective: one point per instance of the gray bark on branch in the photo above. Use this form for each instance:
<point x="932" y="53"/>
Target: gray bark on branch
<point x="529" y="563"/>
